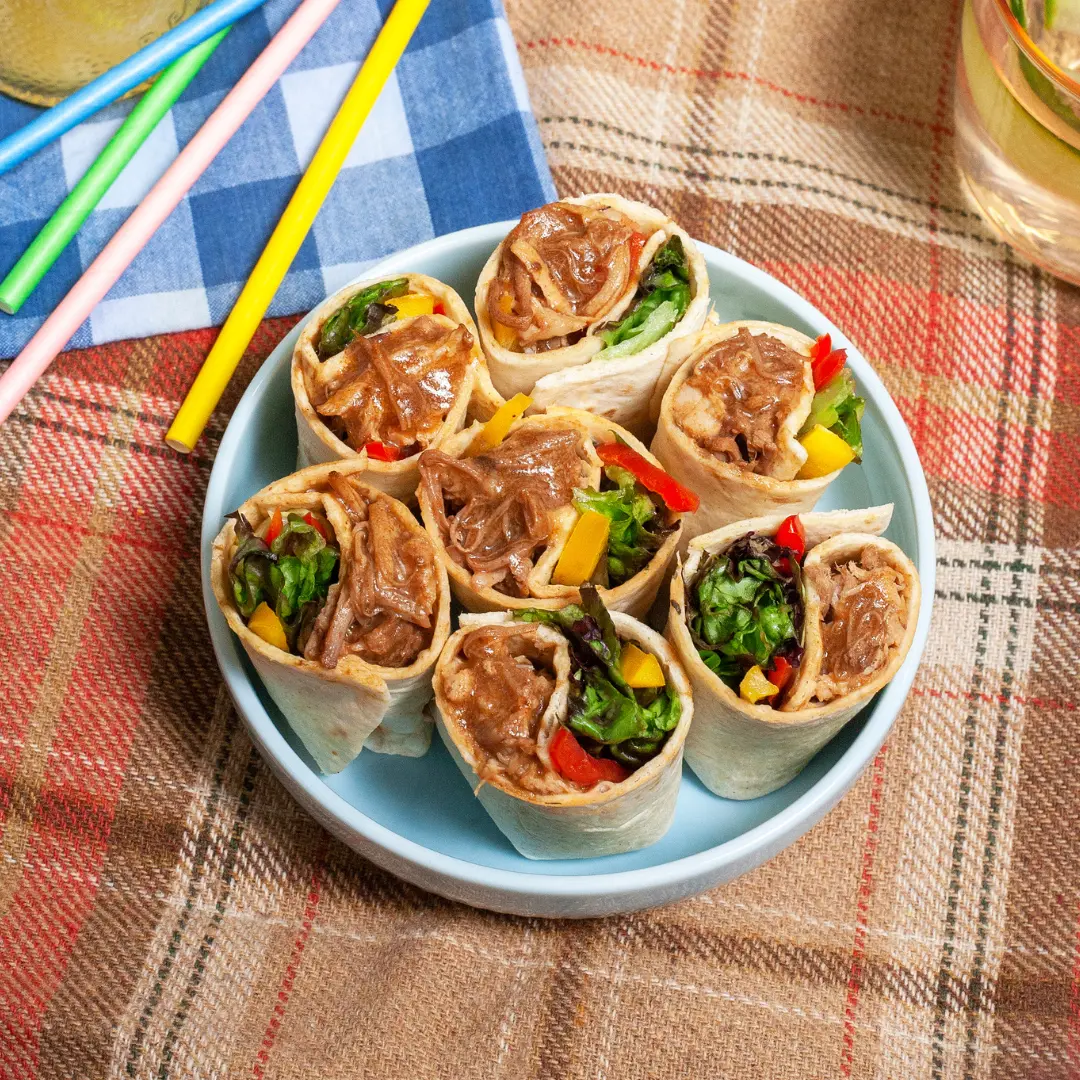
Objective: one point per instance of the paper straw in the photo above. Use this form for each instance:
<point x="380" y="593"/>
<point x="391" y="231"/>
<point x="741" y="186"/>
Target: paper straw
<point x="294" y="225"/>
<point x="131" y="237"/>
<point x="116" y="82"/>
<point x="24" y="276"/>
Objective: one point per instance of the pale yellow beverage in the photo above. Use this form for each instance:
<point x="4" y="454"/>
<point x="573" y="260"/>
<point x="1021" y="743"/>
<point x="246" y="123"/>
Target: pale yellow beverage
<point x="1018" y="124"/>
<point x="50" y="48"/>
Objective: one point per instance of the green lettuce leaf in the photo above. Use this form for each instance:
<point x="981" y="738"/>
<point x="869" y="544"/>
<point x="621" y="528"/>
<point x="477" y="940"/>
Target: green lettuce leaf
<point x="838" y="407"/>
<point x="249" y="570"/>
<point x="293" y="574"/>
<point x="608" y="717"/>
<point x="744" y="610"/>
<point x="659" y="322"/>
<point x="303" y="572"/>
<point x="636" y="528"/>
<point x="661" y="300"/>
<point x="361" y="314"/>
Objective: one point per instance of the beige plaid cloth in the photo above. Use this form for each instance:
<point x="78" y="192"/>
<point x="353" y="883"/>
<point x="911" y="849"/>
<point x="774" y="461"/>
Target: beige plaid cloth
<point x="166" y="910"/>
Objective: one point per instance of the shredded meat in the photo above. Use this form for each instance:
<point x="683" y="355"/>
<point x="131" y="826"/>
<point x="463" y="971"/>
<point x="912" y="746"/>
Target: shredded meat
<point x="564" y="267"/>
<point x="864" y="615"/>
<point x="495" y="509"/>
<point x="738" y="397"/>
<point x="394" y="387"/>
<point x="382" y="608"/>
<point x="498" y="691"/>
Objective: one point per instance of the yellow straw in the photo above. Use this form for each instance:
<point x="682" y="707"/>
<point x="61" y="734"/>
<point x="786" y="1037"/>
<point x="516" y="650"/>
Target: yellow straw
<point x="281" y="249"/>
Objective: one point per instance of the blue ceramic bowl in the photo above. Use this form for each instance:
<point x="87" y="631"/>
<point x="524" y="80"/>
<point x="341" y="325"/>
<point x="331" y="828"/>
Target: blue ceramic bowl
<point x="418" y="818"/>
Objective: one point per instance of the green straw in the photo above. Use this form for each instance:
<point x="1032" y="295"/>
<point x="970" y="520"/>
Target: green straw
<point x="87" y="193"/>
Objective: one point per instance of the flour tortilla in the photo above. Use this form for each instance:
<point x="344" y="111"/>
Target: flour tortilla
<point x="847" y="547"/>
<point x="609" y="818"/>
<point x="477" y="398"/>
<point x="336" y="711"/>
<point x="622" y="389"/>
<point x="727" y="493"/>
<point x="634" y="596"/>
<point x="742" y="751"/>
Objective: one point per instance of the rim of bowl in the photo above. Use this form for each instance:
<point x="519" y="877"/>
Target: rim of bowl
<point x="803" y="811"/>
<point x="1026" y="43"/>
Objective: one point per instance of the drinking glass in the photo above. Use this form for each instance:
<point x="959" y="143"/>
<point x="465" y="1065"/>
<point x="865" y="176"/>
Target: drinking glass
<point x="50" y="48"/>
<point x="1017" y="118"/>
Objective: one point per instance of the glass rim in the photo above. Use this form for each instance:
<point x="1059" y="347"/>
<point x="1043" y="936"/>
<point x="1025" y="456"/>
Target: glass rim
<point x="1025" y="42"/>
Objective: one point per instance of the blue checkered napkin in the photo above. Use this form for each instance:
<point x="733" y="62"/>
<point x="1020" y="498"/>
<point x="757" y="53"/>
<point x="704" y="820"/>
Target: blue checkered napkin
<point x="450" y="143"/>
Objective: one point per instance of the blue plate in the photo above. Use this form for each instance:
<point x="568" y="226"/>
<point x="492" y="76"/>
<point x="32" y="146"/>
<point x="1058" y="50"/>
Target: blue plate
<point x="418" y="818"/>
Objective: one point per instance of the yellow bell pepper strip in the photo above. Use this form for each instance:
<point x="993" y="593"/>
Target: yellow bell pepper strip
<point x="825" y="453"/>
<point x="498" y="427"/>
<point x="412" y="304"/>
<point x="505" y="335"/>
<point x="587" y="543"/>
<point x="640" y="669"/>
<point x="755" y="687"/>
<point x="267" y="625"/>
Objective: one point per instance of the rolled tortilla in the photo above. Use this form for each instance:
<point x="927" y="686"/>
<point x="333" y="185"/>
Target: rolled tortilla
<point x="578" y="375"/>
<point x="475" y="399"/>
<point x="729" y="493"/>
<point x="633" y="596"/>
<point x="571" y="822"/>
<point x="742" y="751"/>
<point x="336" y="711"/>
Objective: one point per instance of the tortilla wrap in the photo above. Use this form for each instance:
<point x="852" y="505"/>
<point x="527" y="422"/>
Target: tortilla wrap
<point x="476" y="399"/>
<point x="607" y="819"/>
<point x="620" y="389"/>
<point x="336" y="711"/>
<point x="728" y="493"/>
<point x="739" y="750"/>
<point x="633" y="596"/>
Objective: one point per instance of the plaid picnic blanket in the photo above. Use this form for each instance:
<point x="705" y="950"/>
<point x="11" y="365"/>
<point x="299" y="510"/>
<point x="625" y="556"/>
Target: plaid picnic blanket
<point x="167" y="911"/>
<point x="426" y="163"/>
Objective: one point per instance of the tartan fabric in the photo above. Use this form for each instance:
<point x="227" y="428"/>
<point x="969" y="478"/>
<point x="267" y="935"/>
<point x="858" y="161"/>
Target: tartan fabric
<point x="167" y="911"/>
<point x="423" y="166"/>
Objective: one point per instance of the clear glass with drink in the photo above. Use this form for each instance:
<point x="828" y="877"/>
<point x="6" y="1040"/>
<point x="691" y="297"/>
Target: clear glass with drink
<point x="1018" y="124"/>
<point x="50" y="48"/>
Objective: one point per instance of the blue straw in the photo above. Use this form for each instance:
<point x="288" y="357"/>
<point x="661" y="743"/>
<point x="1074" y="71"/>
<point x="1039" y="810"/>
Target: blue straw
<point x="106" y="88"/>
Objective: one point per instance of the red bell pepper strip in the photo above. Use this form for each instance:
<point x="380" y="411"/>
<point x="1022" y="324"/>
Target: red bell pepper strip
<point x="383" y="451"/>
<point x="821" y="347"/>
<point x="317" y="525"/>
<point x="438" y="308"/>
<point x="276" y="525"/>
<point x="780" y="672"/>
<point x="825" y="361"/>
<point x="579" y="767"/>
<point x="792" y="535"/>
<point x="650" y="476"/>
<point x="636" y="242"/>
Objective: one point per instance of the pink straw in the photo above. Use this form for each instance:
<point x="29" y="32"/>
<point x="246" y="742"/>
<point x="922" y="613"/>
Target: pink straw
<point x="100" y="276"/>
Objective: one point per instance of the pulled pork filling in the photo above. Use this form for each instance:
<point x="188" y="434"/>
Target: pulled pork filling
<point x="394" y="387"/>
<point x="495" y="509"/>
<point x="382" y="609"/>
<point x="498" y="691"/>
<point x="563" y="267"/>
<point x="863" y="619"/>
<point x="738" y="397"/>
